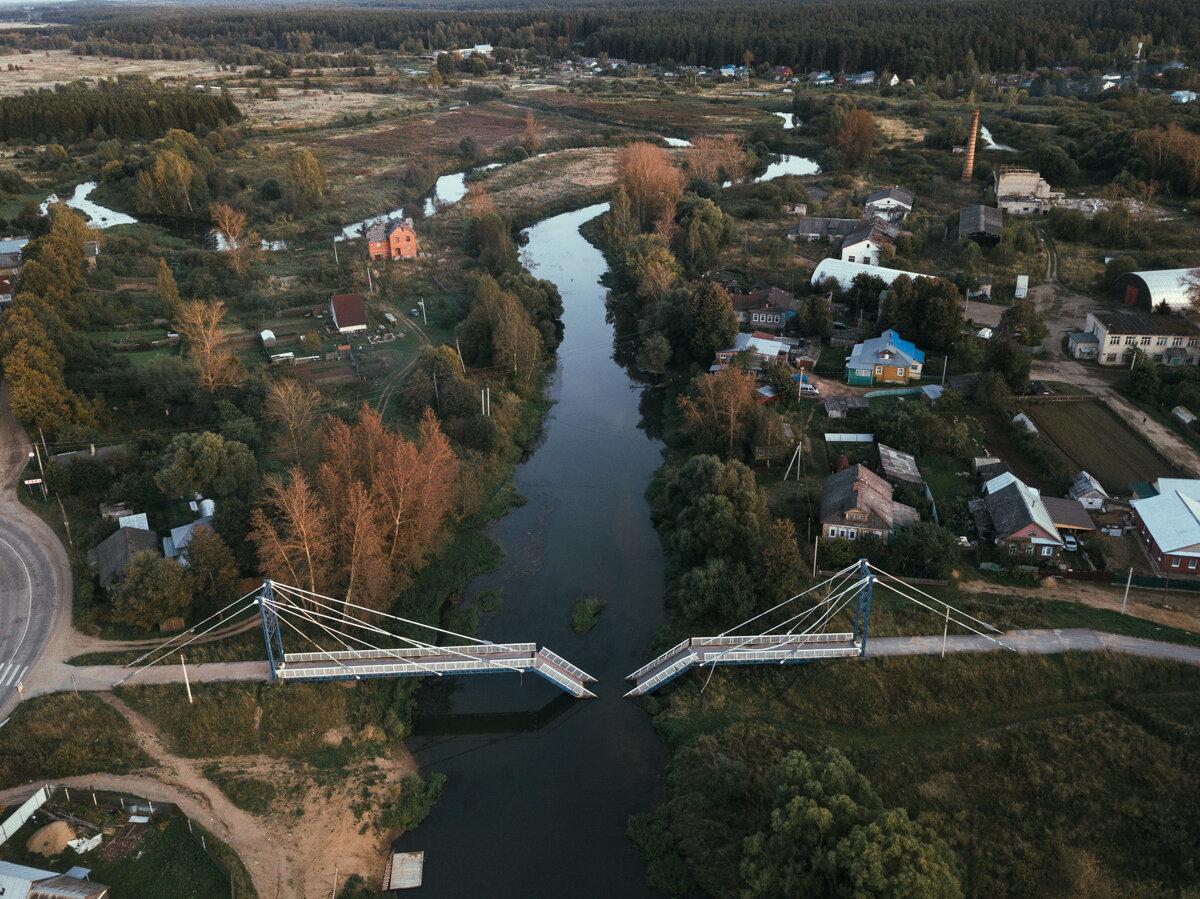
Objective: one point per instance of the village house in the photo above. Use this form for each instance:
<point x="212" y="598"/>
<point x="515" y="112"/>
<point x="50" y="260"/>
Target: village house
<point x="1166" y="339"/>
<point x="1169" y="525"/>
<point x="109" y="558"/>
<point x="348" y="314"/>
<point x="393" y="239"/>
<point x="764" y="348"/>
<point x="1020" y="521"/>
<point x="10" y="254"/>
<point x="856" y="502"/>
<point x="763" y="306"/>
<point x="892" y="203"/>
<point x="6" y="289"/>
<point x="23" y="882"/>
<point x="864" y="244"/>
<point x="886" y="359"/>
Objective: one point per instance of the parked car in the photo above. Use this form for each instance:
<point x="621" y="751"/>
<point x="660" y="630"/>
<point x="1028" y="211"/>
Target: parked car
<point x="809" y="390"/>
<point x="1070" y="543"/>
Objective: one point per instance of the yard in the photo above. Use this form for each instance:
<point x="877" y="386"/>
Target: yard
<point x="1095" y="440"/>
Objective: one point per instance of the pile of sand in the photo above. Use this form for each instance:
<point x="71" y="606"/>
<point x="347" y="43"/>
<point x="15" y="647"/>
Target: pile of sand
<point x="51" y="839"/>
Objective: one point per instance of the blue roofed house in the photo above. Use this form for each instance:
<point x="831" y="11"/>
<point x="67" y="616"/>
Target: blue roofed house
<point x="886" y="359"/>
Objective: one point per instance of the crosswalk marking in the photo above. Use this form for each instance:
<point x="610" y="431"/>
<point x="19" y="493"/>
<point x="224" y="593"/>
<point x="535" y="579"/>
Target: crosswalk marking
<point x="4" y="671"/>
<point x="13" y="675"/>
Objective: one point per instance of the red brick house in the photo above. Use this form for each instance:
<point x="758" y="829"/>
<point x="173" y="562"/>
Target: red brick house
<point x="1169" y="525"/>
<point x="393" y="239"/>
<point x="1020" y="521"/>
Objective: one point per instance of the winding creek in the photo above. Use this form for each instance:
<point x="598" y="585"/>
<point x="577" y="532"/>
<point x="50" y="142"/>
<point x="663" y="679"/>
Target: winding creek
<point x="540" y="786"/>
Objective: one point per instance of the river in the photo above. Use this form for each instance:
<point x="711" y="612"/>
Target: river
<point x="540" y="786"/>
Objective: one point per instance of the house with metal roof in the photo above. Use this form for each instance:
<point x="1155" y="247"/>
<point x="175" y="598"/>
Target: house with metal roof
<point x="812" y="228"/>
<point x="898" y="466"/>
<point x="111" y="556"/>
<point x="844" y="273"/>
<point x="1169" y="525"/>
<point x="856" y="501"/>
<point x="1165" y="339"/>
<point x="23" y="882"/>
<point x="175" y="546"/>
<point x="1020" y="520"/>
<point x="886" y="359"/>
<point x="348" y="313"/>
<point x="1151" y="289"/>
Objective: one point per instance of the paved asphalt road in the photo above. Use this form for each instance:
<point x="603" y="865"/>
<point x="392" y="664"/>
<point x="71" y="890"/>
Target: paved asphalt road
<point x="35" y="577"/>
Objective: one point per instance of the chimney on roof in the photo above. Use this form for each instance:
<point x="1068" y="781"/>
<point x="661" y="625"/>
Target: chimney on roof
<point x="969" y="165"/>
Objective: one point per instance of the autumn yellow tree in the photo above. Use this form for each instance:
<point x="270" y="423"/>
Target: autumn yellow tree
<point x="652" y="183"/>
<point x="306" y="177"/>
<point x="241" y="244"/>
<point x="166" y="188"/>
<point x="199" y="322"/>
<point x="710" y="156"/>
<point x="720" y="407"/>
<point x="293" y="405"/>
<point x="533" y="134"/>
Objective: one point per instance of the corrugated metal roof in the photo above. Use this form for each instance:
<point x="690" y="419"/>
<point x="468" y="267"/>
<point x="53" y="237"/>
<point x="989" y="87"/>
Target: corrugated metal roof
<point x="1168" y="285"/>
<point x="1172" y="517"/>
<point x="845" y="272"/>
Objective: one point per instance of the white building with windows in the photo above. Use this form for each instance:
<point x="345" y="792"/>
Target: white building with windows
<point x="1165" y="339"/>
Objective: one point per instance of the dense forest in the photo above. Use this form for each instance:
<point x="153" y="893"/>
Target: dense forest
<point x="131" y="111"/>
<point x="909" y="37"/>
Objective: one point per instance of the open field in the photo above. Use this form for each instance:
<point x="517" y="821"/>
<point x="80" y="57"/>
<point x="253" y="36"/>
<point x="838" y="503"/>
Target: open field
<point x="1095" y="440"/>
<point x="50" y="67"/>
<point x="1066" y="775"/>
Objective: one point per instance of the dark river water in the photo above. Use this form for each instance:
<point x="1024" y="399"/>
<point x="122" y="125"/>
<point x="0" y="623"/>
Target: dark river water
<point x="540" y="785"/>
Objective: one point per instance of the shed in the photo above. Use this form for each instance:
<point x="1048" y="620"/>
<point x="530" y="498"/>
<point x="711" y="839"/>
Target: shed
<point x="267" y="337"/>
<point x="982" y="224"/>
<point x="931" y="394"/>
<point x="841" y="406"/>
<point x="1172" y="286"/>
<point x="1087" y="491"/>
<point x="1022" y="287"/>
<point x="1183" y="414"/>
<point x="1025" y="422"/>
<point x="898" y="466"/>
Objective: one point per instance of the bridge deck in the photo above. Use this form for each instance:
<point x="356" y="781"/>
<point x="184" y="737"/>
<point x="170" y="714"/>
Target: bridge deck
<point x="491" y="658"/>
<point x="777" y="649"/>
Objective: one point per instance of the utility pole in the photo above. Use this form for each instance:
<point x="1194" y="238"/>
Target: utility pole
<point x="66" y="524"/>
<point x="335" y="255"/>
<point x="816" y="543"/>
<point x="945" y="361"/>
<point x="437" y="396"/>
<point x="945" y="630"/>
<point x="41" y="470"/>
<point x="424" y="317"/>
<point x="460" y="358"/>
<point x="1128" y="581"/>
<point x="186" y="682"/>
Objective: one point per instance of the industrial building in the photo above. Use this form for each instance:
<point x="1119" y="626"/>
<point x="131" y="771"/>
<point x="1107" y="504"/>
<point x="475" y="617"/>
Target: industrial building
<point x="1149" y="290"/>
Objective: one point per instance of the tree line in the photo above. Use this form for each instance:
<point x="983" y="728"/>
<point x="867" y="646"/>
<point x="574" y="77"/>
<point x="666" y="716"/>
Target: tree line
<point x="127" y="111"/>
<point x="912" y="38"/>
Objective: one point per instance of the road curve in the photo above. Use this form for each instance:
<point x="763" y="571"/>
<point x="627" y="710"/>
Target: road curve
<point x="35" y="573"/>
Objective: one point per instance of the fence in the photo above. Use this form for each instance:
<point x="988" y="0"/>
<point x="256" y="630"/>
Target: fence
<point x="849" y="438"/>
<point x="129" y="805"/>
<point x="17" y="819"/>
<point x="1166" y="583"/>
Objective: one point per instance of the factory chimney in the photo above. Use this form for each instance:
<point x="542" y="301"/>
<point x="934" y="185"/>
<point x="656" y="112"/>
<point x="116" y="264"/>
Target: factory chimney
<point x="969" y="165"/>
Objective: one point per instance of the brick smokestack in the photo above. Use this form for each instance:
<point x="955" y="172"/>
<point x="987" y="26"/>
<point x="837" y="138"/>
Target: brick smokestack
<point x="969" y="165"/>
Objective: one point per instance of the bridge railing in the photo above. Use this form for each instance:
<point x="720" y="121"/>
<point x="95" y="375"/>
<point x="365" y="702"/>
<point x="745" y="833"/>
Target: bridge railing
<point x="410" y="652"/>
<point x="654" y="663"/>
<point x="562" y="663"/>
<point x="772" y="639"/>
<point x="412" y="667"/>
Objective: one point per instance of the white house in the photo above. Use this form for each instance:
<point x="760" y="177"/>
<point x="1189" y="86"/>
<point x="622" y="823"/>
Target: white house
<point x="893" y="203"/>
<point x="845" y="272"/>
<point x="864" y="244"/>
